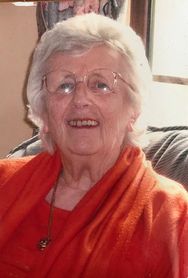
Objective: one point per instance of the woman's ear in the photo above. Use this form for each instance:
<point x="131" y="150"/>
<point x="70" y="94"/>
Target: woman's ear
<point x="45" y="128"/>
<point x="130" y="125"/>
<point x="45" y="137"/>
<point x="47" y="140"/>
<point x="132" y="121"/>
<point x="44" y="132"/>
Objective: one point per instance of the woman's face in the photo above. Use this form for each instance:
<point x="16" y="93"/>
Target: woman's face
<point x="82" y="122"/>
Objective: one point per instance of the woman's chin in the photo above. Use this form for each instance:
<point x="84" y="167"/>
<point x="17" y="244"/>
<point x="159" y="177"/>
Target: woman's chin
<point x="83" y="150"/>
<point x="82" y="145"/>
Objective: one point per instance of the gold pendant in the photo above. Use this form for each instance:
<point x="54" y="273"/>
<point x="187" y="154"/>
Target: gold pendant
<point x="43" y="243"/>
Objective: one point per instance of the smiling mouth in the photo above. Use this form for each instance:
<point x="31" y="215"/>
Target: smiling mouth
<point x="85" y="123"/>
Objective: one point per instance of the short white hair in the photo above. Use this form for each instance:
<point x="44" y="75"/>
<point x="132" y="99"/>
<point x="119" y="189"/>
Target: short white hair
<point x="80" y="33"/>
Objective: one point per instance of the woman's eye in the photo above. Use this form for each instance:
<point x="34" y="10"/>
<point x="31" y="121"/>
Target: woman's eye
<point x="99" y="86"/>
<point x="66" y="88"/>
<point x="102" y="86"/>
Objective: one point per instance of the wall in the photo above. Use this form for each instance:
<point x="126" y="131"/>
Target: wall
<point x="168" y="102"/>
<point x="18" y="37"/>
<point x="168" y="105"/>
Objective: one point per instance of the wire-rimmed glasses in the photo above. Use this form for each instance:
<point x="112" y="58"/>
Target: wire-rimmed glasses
<point x="98" y="81"/>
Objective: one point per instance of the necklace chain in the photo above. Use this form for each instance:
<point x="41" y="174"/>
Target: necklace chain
<point x="44" y="242"/>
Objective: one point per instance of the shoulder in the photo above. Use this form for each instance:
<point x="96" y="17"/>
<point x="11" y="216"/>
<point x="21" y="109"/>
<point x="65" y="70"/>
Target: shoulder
<point x="26" y="165"/>
<point x="9" y="167"/>
<point x="169" y="199"/>
<point x="170" y="188"/>
<point x="167" y="221"/>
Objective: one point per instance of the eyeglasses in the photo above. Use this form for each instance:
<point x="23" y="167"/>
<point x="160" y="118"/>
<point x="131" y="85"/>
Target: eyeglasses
<point x="99" y="81"/>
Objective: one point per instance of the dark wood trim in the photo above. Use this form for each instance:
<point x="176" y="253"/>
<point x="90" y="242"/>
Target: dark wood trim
<point x="139" y="18"/>
<point x="170" y="79"/>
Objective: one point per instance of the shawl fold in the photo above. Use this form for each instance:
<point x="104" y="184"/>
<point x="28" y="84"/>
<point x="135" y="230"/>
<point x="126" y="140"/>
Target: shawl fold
<point x="132" y="223"/>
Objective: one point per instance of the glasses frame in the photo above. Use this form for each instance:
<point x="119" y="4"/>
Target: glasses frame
<point x="84" y="79"/>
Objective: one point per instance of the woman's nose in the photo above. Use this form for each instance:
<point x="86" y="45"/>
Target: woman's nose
<point x="81" y="95"/>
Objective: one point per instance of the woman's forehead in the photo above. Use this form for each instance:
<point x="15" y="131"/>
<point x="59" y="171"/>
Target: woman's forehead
<point x="101" y="56"/>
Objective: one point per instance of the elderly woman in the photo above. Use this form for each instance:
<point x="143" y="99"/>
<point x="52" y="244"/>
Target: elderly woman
<point x="91" y="206"/>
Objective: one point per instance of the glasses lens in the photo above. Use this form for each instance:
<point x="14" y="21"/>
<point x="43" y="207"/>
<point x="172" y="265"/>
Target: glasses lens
<point x="61" y="82"/>
<point x="100" y="81"/>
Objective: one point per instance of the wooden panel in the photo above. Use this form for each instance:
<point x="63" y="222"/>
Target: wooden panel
<point x="170" y="79"/>
<point x="140" y="10"/>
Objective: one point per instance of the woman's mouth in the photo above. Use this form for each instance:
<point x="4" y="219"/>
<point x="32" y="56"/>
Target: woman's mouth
<point x="80" y="123"/>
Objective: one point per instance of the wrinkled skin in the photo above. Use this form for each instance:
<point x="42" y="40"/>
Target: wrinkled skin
<point x="87" y="153"/>
<point x="111" y="111"/>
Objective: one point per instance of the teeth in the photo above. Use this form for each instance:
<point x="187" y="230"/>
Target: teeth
<point x="80" y="123"/>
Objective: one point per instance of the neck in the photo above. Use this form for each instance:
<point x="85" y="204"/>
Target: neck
<point x="82" y="172"/>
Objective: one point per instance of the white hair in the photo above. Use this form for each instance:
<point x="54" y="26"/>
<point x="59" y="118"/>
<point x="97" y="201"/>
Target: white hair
<point x="80" y="33"/>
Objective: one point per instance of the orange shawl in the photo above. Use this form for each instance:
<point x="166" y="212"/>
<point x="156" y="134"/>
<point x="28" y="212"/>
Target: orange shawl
<point x="132" y="223"/>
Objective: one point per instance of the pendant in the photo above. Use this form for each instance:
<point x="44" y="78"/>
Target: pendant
<point x="43" y="243"/>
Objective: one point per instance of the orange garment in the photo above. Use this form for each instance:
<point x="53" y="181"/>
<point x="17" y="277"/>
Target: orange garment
<point x="20" y="253"/>
<point x="132" y="223"/>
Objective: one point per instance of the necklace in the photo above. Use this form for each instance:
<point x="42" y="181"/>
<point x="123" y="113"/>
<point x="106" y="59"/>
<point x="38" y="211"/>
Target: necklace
<point x="43" y="242"/>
